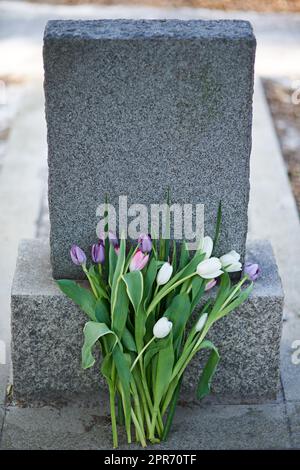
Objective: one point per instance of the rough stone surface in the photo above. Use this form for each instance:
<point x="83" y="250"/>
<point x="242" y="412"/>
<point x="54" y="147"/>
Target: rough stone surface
<point x="4" y="376"/>
<point x="47" y="335"/>
<point x="135" y="106"/>
<point x="290" y="355"/>
<point x="2" y="416"/>
<point x="293" y="412"/>
<point x="46" y="331"/>
<point x="194" y="427"/>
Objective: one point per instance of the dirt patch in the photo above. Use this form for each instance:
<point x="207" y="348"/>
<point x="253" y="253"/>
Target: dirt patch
<point x="244" y="5"/>
<point x="283" y="96"/>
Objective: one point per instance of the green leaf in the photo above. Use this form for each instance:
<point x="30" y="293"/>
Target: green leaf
<point x="237" y="302"/>
<point x="106" y="367"/>
<point x="155" y="347"/>
<point x="128" y="341"/>
<point x="178" y="313"/>
<point x="140" y="328"/>
<point x="164" y="369"/>
<point x="81" y="296"/>
<point x="171" y="410"/>
<point x="209" y="369"/>
<point x="218" y="227"/>
<point x="121" y="310"/>
<point x="162" y="249"/>
<point x="167" y="288"/>
<point x="223" y="292"/>
<point x="128" y="257"/>
<point x="198" y="288"/>
<point x="134" y="285"/>
<point x="149" y="279"/>
<point x="186" y="271"/>
<point x="102" y="311"/>
<point x="174" y="256"/>
<point x="122" y="368"/>
<point x="113" y="259"/>
<point x="106" y="240"/>
<point x="124" y="376"/>
<point x="184" y="255"/>
<point x="98" y="282"/>
<point x="117" y="276"/>
<point x="92" y="331"/>
<point x="168" y="225"/>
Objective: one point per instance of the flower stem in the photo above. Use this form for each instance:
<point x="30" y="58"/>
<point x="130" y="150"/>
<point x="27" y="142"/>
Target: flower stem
<point x="113" y="415"/>
<point x="140" y="388"/>
<point x="138" y="429"/>
<point x="90" y="281"/>
<point x="160" y="424"/>
<point x="126" y="417"/>
<point x="120" y="417"/>
<point x="140" y="354"/>
<point x="161" y="295"/>
<point x="153" y="424"/>
<point x="235" y="290"/>
<point x="171" y="411"/>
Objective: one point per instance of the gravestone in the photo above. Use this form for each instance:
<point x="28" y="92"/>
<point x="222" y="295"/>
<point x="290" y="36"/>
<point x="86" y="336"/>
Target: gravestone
<point x="135" y="106"/>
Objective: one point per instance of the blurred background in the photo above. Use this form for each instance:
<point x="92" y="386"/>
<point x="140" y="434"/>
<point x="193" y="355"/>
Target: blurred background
<point x="275" y="162"/>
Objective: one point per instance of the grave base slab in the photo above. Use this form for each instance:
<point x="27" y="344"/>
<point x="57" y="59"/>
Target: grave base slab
<point x="47" y="336"/>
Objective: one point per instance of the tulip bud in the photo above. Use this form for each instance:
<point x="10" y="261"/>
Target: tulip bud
<point x="98" y="253"/>
<point x="210" y="284"/>
<point x="231" y="262"/>
<point x="164" y="274"/>
<point x="145" y="243"/>
<point x="78" y="256"/>
<point x="113" y="239"/>
<point x="162" y="328"/>
<point x="201" y="322"/>
<point x="207" y="247"/>
<point x="138" y="261"/>
<point x="253" y="271"/>
<point x="209" y="268"/>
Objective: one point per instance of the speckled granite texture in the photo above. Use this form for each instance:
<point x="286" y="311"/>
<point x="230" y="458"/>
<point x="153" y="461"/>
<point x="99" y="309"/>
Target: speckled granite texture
<point x="47" y="335"/>
<point x="135" y="106"/>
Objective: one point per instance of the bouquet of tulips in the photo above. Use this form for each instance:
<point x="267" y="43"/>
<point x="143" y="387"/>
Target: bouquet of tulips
<point x="139" y="304"/>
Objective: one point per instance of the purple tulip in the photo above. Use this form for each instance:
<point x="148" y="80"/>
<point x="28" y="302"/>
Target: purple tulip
<point x="98" y="253"/>
<point x="77" y="255"/>
<point x="145" y="243"/>
<point x="253" y="270"/>
<point x="113" y="239"/>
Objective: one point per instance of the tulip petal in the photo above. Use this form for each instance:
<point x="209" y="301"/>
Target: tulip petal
<point x="207" y="247"/>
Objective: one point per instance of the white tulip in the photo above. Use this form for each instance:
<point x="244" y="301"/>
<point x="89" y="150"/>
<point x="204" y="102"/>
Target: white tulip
<point x="162" y="328"/>
<point x="207" y="247"/>
<point x="209" y="268"/>
<point x="231" y="261"/>
<point x="164" y="274"/>
<point x="201" y="322"/>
